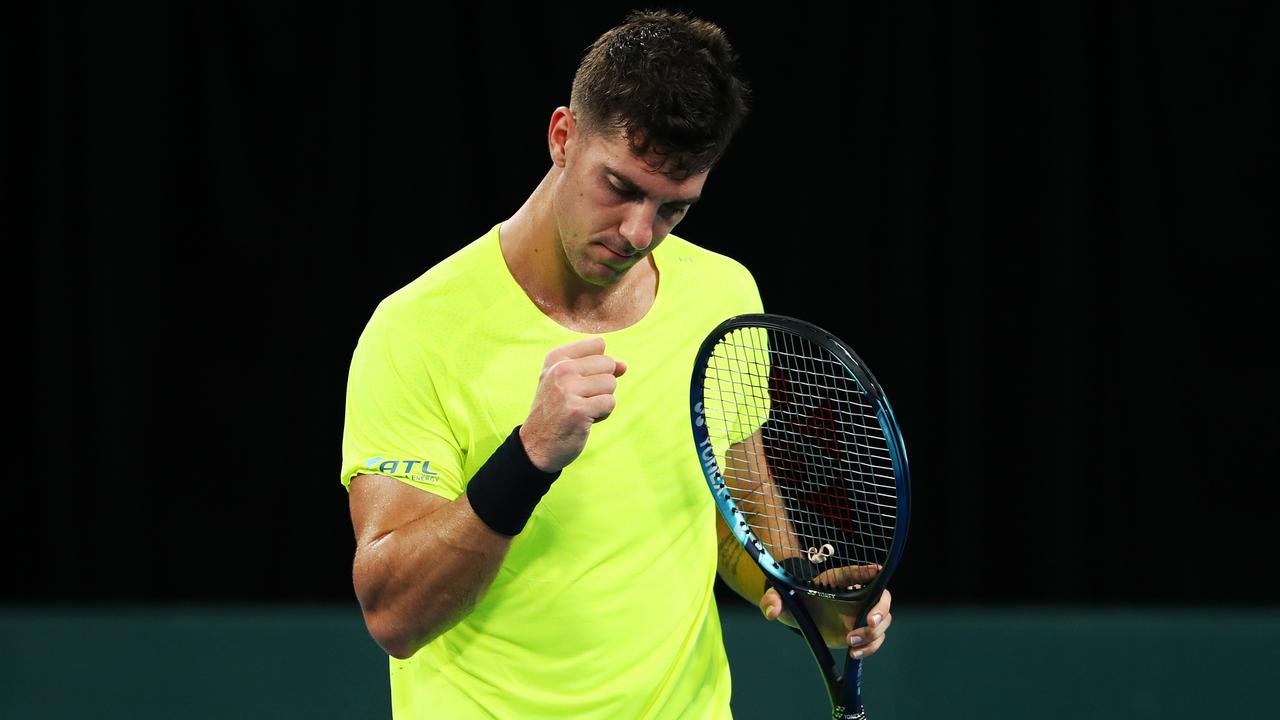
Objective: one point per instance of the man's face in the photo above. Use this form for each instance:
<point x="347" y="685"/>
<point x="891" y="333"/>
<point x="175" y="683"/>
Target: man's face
<point x="613" y="208"/>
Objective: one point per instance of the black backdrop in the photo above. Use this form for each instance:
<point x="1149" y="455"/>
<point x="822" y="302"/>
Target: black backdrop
<point x="1047" y="229"/>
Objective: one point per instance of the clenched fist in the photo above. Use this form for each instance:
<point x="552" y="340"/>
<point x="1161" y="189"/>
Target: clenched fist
<point x="575" y="391"/>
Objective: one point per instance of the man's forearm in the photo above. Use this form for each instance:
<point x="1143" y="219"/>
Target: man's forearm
<point x="420" y="579"/>
<point x="736" y="568"/>
<point x="747" y="473"/>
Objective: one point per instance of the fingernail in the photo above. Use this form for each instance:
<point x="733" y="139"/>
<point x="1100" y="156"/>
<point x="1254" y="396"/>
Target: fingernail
<point x="857" y="654"/>
<point x="855" y="640"/>
<point x="875" y="620"/>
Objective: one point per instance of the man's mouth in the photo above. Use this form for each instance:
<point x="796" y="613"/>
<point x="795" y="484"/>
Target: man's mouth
<point x="623" y="255"/>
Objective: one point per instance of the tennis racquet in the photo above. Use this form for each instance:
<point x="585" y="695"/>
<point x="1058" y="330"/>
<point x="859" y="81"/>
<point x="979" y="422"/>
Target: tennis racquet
<point x="806" y="463"/>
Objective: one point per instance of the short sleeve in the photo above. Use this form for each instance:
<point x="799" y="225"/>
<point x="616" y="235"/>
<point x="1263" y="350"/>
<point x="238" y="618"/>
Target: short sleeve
<point x="395" y="423"/>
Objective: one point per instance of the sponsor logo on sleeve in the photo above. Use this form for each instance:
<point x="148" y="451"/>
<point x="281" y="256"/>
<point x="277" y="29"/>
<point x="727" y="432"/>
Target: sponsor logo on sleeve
<point x="416" y="470"/>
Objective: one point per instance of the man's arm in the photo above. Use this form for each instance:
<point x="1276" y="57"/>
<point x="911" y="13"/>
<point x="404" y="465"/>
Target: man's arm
<point x="421" y="563"/>
<point x="735" y="567"/>
<point x="747" y="471"/>
<point x="746" y="464"/>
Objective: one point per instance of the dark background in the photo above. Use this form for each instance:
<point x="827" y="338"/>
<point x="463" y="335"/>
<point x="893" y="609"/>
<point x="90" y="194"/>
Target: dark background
<point x="1048" y="229"/>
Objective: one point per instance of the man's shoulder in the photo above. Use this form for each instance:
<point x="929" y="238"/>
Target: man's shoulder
<point x="684" y="254"/>
<point x="451" y="285"/>
<point x="713" y="282"/>
<point x="446" y="294"/>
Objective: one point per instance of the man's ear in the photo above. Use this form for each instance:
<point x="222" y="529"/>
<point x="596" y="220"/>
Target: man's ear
<point x="562" y="133"/>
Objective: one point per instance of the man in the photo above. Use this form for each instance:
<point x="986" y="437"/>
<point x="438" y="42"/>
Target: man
<point x="518" y="555"/>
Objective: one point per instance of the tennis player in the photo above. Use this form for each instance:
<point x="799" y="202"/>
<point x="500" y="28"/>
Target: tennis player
<point x="534" y="536"/>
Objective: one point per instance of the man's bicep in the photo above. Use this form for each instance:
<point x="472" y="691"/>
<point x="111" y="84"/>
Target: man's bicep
<point x="381" y="504"/>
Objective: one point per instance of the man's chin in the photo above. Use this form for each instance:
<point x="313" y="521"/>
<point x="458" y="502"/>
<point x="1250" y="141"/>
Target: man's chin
<point x="606" y="277"/>
<point x="603" y="275"/>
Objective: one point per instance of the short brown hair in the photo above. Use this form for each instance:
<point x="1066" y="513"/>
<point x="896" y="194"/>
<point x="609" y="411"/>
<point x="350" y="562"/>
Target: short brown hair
<point x="667" y="82"/>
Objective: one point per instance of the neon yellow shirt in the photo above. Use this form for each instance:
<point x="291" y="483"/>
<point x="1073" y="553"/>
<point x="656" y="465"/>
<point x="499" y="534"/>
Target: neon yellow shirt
<point x="604" y="605"/>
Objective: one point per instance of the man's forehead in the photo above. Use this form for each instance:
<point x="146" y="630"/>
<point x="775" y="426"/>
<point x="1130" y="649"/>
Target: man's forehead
<point x="642" y="176"/>
<point x="654" y="161"/>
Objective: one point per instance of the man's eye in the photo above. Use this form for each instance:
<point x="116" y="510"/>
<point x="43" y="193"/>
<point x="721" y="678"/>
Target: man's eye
<point x="670" y="211"/>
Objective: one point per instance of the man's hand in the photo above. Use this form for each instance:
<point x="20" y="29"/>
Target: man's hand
<point x="835" y="619"/>
<point x="574" y="392"/>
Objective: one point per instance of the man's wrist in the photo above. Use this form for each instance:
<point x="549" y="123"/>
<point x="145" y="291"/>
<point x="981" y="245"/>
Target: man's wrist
<point x="506" y="489"/>
<point x="531" y="451"/>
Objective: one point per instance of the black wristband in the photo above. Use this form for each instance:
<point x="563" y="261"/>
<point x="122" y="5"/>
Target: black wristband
<point x="504" y="491"/>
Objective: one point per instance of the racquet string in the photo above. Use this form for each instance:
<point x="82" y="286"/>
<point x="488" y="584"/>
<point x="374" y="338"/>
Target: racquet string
<point x="802" y="452"/>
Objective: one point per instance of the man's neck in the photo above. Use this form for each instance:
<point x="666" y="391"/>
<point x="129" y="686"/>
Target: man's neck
<point x="535" y="256"/>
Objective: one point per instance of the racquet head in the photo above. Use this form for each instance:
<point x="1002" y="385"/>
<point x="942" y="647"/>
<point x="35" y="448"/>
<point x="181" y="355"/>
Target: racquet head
<point x="803" y="454"/>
